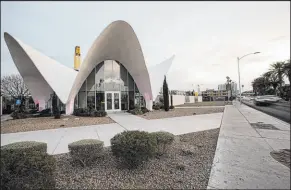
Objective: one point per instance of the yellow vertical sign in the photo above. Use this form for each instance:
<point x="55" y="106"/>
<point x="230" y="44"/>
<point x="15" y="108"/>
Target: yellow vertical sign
<point x="77" y="58"/>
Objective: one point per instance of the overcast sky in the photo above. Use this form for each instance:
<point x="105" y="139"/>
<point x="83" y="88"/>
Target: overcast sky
<point x="205" y="37"/>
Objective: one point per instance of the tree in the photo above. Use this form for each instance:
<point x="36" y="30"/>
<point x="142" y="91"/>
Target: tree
<point x="56" y="110"/>
<point x="287" y="70"/>
<point x="259" y="86"/>
<point x="13" y="86"/>
<point x="278" y="70"/>
<point x="166" y="95"/>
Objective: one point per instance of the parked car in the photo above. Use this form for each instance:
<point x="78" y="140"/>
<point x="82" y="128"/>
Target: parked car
<point x="266" y="100"/>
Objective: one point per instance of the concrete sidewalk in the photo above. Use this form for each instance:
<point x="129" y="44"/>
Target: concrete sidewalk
<point x="242" y="158"/>
<point x="58" y="139"/>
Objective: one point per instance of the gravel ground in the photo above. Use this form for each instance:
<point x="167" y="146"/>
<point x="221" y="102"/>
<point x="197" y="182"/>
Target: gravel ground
<point x="41" y="123"/>
<point x="186" y="166"/>
<point x="210" y="103"/>
<point x="178" y="112"/>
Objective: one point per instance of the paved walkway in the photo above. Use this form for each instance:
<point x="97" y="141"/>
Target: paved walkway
<point x="201" y="107"/>
<point x="242" y="158"/>
<point x="58" y="139"/>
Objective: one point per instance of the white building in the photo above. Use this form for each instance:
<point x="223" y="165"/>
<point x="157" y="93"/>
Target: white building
<point x="112" y="77"/>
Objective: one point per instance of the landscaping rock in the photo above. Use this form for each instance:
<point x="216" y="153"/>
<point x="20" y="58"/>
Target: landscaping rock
<point x="178" y="112"/>
<point x="172" y="171"/>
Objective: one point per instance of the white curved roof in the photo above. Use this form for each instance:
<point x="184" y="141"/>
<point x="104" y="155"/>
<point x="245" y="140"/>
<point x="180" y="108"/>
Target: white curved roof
<point x="119" y="42"/>
<point x="157" y="73"/>
<point x="41" y="74"/>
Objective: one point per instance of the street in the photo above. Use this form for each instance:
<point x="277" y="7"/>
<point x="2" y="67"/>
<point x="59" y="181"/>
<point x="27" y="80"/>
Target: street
<point x="278" y="110"/>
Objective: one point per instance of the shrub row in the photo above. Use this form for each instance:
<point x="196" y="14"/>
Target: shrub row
<point x="26" y="165"/>
<point x="139" y="110"/>
<point x="89" y="113"/>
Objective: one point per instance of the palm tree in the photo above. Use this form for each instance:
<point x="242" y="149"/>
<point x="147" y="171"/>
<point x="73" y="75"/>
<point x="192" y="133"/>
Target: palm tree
<point x="271" y="80"/>
<point x="278" y="70"/>
<point x="287" y="70"/>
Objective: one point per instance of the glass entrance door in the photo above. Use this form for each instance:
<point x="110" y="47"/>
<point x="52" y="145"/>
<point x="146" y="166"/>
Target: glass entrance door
<point x="112" y="101"/>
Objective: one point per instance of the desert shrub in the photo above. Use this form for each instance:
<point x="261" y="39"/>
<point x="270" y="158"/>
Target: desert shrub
<point x="86" y="151"/>
<point x="136" y="111"/>
<point x="133" y="147"/>
<point x="26" y="165"/>
<point x="89" y="113"/>
<point x="164" y="140"/>
<point x="17" y="114"/>
<point x="101" y="113"/>
<point x="156" y="107"/>
<point x="171" y="107"/>
<point x="144" y="110"/>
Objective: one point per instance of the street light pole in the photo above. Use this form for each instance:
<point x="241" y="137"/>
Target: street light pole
<point x="239" y="72"/>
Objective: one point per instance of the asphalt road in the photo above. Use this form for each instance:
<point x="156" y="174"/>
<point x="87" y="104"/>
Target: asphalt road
<point x="278" y="110"/>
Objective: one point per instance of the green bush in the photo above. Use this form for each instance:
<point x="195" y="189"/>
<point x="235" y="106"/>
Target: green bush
<point x="26" y="165"/>
<point x="17" y="114"/>
<point x="133" y="147"/>
<point x="164" y="140"/>
<point x="156" y="107"/>
<point x="144" y="110"/>
<point x="89" y="113"/>
<point x="136" y="111"/>
<point x="86" y="151"/>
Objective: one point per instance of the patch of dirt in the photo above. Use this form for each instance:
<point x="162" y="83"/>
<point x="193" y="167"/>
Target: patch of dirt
<point x="282" y="156"/>
<point x="42" y="123"/>
<point x="178" y="112"/>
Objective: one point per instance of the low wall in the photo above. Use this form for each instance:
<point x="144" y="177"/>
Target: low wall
<point x="178" y="99"/>
<point x="199" y="98"/>
<point x="181" y="99"/>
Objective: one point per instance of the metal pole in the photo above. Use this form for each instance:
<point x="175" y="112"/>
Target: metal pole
<point x="239" y="80"/>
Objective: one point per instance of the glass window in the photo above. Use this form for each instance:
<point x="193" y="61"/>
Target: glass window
<point x="100" y="104"/>
<point x="91" y="81"/>
<point x="115" y="70"/>
<point x="100" y="77"/>
<point x="109" y="100"/>
<point x="123" y="78"/>
<point x="124" y="100"/>
<point x="130" y="83"/>
<point x="112" y="76"/>
<point x="82" y="99"/>
<point x="91" y="100"/>
<point x="76" y="102"/>
<point x="107" y="69"/>
<point x="131" y="99"/>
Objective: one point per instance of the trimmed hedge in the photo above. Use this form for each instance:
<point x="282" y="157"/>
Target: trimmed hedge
<point x="89" y="113"/>
<point x="164" y="140"/>
<point x="86" y="151"/>
<point x="133" y="147"/>
<point x="26" y="165"/>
